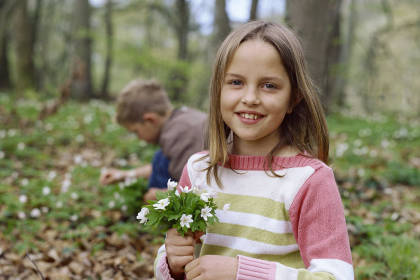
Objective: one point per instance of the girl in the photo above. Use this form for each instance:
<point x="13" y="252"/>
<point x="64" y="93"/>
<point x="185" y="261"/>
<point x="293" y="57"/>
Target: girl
<point x="267" y="159"/>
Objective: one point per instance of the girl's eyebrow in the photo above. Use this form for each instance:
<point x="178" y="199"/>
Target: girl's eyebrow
<point x="276" y="78"/>
<point x="234" y="75"/>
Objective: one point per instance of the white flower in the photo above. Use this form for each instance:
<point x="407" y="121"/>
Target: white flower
<point x="186" y="220"/>
<point x="1" y="154"/>
<point x="205" y="196"/>
<point x="35" y="213"/>
<point x="78" y="159"/>
<point x="59" y="204"/>
<point x="74" y="195"/>
<point x="185" y="189"/>
<point x="171" y="185"/>
<point x="51" y="175"/>
<point x="161" y="204"/>
<point x="44" y="209"/>
<point x="205" y="213"/>
<point x="65" y="185"/>
<point x="23" y="198"/>
<point x="226" y="207"/>
<point x="46" y="190"/>
<point x="111" y="204"/>
<point x="177" y="193"/>
<point x="124" y="208"/>
<point x="142" y="215"/>
<point x="74" y="218"/>
<point x="21" y="215"/>
<point x="21" y="146"/>
<point x="24" y="182"/>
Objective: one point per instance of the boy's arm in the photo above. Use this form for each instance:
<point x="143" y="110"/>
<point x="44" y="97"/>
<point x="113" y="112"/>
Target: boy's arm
<point x="109" y="176"/>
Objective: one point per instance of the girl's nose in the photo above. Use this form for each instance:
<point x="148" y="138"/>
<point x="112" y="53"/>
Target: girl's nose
<point x="251" y="97"/>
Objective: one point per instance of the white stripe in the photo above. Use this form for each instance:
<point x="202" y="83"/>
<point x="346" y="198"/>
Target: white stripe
<point x="249" y="246"/>
<point x="340" y="269"/>
<point x="254" y="220"/>
<point x="285" y="272"/>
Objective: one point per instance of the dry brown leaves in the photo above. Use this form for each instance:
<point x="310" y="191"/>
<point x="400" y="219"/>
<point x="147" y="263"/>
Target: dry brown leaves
<point x="120" y="257"/>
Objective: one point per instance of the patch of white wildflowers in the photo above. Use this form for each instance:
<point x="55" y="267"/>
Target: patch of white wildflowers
<point x="184" y="208"/>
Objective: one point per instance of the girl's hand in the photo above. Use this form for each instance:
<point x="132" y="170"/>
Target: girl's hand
<point x="212" y="267"/>
<point x="179" y="251"/>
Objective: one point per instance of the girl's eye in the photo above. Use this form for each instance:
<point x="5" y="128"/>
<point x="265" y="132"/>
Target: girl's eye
<point x="234" y="82"/>
<point x="269" y="85"/>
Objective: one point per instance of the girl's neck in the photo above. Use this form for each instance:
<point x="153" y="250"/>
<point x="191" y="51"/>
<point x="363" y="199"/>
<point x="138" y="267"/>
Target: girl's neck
<point x="249" y="149"/>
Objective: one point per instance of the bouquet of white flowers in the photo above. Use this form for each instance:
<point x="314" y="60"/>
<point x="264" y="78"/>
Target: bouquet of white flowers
<point x="187" y="210"/>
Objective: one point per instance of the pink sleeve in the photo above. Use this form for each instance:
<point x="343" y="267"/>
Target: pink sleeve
<point x="317" y="217"/>
<point x="165" y="273"/>
<point x="184" y="181"/>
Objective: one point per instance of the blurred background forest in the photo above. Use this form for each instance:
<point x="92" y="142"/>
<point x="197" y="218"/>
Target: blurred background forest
<point x="62" y="63"/>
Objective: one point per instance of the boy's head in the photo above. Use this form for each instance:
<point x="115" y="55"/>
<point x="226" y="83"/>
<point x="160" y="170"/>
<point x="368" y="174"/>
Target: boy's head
<point x="142" y="108"/>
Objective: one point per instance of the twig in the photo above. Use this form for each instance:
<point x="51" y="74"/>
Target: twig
<point x="36" y="267"/>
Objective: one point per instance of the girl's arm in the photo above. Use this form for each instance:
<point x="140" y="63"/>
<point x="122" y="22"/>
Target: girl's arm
<point x="320" y="230"/>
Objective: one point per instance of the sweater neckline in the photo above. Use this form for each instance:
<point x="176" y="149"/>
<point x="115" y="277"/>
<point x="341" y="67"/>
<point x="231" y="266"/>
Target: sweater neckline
<point x="246" y="162"/>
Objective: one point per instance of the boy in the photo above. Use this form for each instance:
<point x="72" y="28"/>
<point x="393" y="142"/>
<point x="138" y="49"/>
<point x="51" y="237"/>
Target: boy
<point x="143" y="107"/>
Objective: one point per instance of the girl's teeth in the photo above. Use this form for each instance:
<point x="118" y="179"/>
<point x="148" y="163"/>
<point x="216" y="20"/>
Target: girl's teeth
<point x="249" y="116"/>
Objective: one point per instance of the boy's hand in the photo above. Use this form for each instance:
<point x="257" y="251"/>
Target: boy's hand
<point x="212" y="267"/>
<point x="151" y="194"/>
<point x="179" y="252"/>
<point x="111" y="175"/>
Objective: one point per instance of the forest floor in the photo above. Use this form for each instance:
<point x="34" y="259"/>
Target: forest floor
<point x="57" y="222"/>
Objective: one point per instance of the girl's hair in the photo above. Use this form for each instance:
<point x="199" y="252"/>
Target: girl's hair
<point x="304" y="128"/>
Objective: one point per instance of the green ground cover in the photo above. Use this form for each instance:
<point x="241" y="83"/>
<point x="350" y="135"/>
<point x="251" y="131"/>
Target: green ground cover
<point x="49" y="190"/>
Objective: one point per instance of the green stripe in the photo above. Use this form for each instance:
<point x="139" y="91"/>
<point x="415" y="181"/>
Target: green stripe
<point x="306" y="275"/>
<point x="252" y="233"/>
<point x="254" y="205"/>
<point x="292" y="259"/>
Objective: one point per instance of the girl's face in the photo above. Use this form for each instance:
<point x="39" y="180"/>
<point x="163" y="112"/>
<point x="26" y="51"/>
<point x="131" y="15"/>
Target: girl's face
<point x="255" y="97"/>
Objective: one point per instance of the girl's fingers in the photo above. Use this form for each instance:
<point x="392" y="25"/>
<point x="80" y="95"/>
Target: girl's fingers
<point x="177" y="263"/>
<point x="192" y="270"/>
<point x="174" y="238"/>
<point x="180" y="250"/>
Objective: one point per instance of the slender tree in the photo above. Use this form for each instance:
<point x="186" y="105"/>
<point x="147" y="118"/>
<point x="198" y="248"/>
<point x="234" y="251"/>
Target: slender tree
<point x="109" y="44"/>
<point x="253" y="12"/>
<point x="81" y="87"/>
<point x="26" y="37"/>
<point x="221" y="23"/>
<point x="317" y="24"/>
<point x="6" y="9"/>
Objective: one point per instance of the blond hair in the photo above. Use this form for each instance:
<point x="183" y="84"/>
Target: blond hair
<point x="139" y="97"/>
<point x="304" y="128"/>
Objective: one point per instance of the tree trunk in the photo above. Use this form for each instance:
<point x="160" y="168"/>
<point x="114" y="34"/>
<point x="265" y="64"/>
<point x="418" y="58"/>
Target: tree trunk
<point x="182" y="28"/>
<point x="6" y="9"/>
<point x="253" y="13"/>
<point x="24" y="38"/>
<point x="221" y="25"/>
<point x="109" y="41"/>
<point x="346" y="53"/>
<point x="316" y="22"/>
<point x="5" y="82"/>
<point x="81" y="87"/>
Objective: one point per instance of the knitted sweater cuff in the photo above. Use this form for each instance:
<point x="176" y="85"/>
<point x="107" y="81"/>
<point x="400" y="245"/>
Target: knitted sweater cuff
<point x="164" y="268"/>
<point x="250" y="268"/>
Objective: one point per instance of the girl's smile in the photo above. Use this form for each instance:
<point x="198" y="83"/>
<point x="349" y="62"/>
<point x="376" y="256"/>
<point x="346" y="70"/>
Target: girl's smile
<point x="255" y="97"/>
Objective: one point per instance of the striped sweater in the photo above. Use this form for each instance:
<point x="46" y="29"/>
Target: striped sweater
<point x="288" y="227"/>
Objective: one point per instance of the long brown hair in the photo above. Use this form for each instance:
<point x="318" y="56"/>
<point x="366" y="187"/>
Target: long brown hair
<point x="304" y="128"/>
